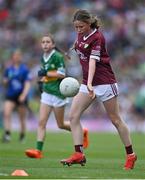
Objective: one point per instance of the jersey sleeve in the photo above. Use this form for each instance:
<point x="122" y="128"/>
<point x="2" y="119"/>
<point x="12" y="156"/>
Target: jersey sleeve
<point x="96" y="49"/>
<point x="60" y="65"/>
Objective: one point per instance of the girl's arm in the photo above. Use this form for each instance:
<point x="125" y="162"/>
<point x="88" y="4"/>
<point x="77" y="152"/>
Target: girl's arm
<point x="5" y="80"/>
<point x="92" y="68"/>
<point x="52" y="76"/>
<point x="55" y="74"/>
<point x="25" y="91"/>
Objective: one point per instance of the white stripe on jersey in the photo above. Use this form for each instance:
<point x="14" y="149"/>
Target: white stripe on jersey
<point x="95" y="52"/>
<point x="95" y="57"/>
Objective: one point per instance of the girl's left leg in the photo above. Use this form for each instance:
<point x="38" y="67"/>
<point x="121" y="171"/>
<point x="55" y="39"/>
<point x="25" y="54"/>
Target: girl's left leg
<point x="22" y="118"/>
<point x="59" y="115"/>
<point x="112" y="109"/>
<point x="62" y="124"/>
<point x="44" y="113"/>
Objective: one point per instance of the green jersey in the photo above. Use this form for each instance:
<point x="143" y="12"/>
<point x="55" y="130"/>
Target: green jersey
<point x="55" y="61"/>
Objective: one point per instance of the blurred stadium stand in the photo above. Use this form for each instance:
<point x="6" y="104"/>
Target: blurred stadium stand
<point x="23" y="22"/>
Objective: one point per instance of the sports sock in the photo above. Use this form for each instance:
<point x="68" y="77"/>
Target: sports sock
<point x="39" y="145"/>
<point x="129" y="149"/>
<point x="7" y="133"/>
<point x="22" y="136"/>
<point x="79" y="148"/>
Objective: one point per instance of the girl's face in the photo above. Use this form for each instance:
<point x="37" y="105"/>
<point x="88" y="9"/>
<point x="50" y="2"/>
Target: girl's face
<point x="47" y="44"/>
<point x="82" y="27"/>
<point x="17" y="57"/>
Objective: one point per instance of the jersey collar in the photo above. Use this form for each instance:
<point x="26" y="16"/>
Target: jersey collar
<point x="49" y="56"/>
<point x="86" y="37"/>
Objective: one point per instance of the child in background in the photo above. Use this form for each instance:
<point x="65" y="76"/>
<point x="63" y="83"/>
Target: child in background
<point x="17" y="83"/>
<point x="51" y="73"/>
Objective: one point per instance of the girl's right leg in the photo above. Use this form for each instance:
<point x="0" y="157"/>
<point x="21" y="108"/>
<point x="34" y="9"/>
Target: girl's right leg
<point x="59" y="115"/>
<point x="44" y="113"/>
<point x="80" y="102"/>
<point x="8" y="109"/>
<point x="62" y="124"/>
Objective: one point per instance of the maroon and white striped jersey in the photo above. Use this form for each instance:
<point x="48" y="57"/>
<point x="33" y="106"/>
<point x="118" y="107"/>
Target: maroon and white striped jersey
<point x="93" y="46"/>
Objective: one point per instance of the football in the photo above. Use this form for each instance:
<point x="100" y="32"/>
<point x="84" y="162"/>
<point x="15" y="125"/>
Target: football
<point x="69" y="87"/>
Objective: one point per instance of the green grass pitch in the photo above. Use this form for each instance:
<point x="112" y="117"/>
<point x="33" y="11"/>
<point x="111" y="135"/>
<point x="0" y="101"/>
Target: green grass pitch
<point x="105" y="157"/>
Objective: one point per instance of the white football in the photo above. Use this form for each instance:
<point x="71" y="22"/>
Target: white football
<point x="69" y="87"/>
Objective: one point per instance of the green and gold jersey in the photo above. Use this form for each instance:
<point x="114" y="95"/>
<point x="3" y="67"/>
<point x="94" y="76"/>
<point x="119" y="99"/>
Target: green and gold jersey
<point x="55" y="61"/>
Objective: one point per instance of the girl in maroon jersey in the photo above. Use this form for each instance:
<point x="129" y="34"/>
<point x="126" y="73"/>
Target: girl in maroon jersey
<point x="98" y="82"/>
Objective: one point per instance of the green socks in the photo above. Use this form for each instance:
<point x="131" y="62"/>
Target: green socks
<point x="39" y="145"/>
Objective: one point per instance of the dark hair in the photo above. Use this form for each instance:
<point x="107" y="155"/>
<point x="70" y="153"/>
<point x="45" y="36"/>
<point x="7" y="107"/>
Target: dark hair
<point x="85" y="16"/>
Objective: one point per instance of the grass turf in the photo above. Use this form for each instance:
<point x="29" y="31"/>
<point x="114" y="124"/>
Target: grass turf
<point x="105" y="158"/>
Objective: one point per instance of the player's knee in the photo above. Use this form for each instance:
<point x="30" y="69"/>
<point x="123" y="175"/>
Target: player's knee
<point x="73" y="119"/>
<point x="115" y="123"/>
<point x="115" y="119"/>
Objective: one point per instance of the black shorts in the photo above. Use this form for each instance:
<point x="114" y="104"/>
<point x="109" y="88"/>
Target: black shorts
<point x="16" y="101"/>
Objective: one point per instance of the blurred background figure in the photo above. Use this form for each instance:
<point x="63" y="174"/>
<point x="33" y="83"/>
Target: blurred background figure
<point x="22" y="23"/>
<point x="138" y="109"/>
<point x="16" y="80"/>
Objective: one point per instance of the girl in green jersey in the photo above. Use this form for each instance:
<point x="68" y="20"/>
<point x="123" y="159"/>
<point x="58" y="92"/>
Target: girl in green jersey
<point x="51" y="73"/>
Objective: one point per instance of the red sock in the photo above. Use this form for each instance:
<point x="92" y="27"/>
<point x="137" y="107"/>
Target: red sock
<point x="129" y="149"/>
<point x="79" y="148"/>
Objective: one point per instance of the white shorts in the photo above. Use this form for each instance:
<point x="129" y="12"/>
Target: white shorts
<point x="52" y="100"/>
<point x="103" y="92"/>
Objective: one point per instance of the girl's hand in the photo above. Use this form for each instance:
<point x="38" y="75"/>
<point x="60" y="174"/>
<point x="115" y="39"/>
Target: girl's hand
<point x="22" y="98"/>
<point x="46" y="79"/>
<point x="91" y="91"/>
<point x="68" y="53"/>
<point x="42" y="73"/>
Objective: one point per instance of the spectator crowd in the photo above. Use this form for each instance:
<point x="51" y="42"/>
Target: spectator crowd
<point x="23" y="22"/>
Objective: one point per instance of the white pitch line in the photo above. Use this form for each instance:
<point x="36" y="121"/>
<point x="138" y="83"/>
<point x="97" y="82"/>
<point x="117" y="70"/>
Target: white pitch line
<point x="3" y="174"/>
